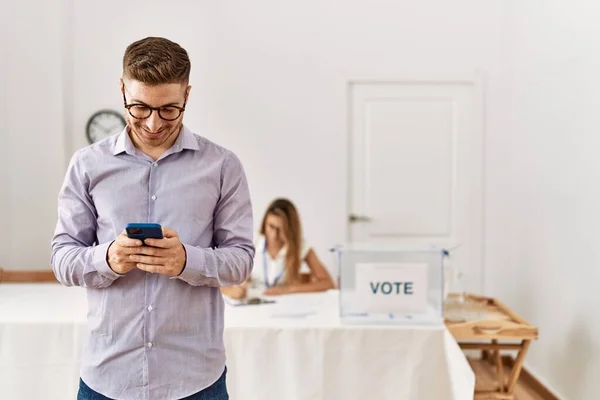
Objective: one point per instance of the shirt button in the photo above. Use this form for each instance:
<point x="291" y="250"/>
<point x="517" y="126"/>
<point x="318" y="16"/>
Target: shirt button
<point x="149" y="344"/>
<point x="155" y="164"/>
<point x="149" y="308"/>
<point x="153" y="197"/>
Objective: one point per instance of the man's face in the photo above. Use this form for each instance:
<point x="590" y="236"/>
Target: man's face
<point x="154" y="131"/>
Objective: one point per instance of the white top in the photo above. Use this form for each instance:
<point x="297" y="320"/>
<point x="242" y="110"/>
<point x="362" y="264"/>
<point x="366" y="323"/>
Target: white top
<point x="274" y="267"/>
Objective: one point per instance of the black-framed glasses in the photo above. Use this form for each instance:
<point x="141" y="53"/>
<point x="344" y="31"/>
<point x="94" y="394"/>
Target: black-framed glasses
<point x="143" y="111"/>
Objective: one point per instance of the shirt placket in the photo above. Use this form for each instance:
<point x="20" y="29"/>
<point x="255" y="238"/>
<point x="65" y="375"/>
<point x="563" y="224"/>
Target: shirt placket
<point x="149" y="295"/>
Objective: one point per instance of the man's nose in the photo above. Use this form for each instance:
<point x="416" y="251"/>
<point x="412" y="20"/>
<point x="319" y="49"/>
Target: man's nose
<point x="153" y="122"/>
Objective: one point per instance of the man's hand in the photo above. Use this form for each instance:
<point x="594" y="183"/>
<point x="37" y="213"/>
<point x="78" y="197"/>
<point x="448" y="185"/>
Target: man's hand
<point x="119" y="252"/>
<point x="162" y="256"/>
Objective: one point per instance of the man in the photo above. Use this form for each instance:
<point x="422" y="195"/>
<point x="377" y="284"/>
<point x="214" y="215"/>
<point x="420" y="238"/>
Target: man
<point x="155" y="313"/>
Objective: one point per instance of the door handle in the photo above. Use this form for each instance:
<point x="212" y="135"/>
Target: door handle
<point x="358" y="218"/>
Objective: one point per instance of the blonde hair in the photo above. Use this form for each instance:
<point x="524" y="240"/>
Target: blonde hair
<point x="288" y="213"/>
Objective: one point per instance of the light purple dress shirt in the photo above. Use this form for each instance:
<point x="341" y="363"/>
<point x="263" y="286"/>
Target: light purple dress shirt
<point x="152" y="336"/>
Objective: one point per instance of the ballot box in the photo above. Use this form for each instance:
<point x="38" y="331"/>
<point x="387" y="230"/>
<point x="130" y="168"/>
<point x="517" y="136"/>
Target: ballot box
<point x="391" y="284"/>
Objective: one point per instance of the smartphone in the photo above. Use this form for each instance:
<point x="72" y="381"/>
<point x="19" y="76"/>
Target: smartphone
<point x="144" y="231"/>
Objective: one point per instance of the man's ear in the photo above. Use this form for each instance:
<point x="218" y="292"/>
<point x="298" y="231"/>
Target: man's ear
<point x="187" y="91"/>
<point x="121" y="85"/>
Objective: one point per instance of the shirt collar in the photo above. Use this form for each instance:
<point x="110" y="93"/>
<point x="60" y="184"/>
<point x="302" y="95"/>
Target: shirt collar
<point x="122" y="142"/>
<point x="185" y="140"/>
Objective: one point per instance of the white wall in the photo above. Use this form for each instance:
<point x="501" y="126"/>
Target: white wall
<point x="33" y="142"/>
<point x="5" y="194"/>
<point x="269" y="78"/>
<point x="269" y="83"/>
<point x="550" y="190"/>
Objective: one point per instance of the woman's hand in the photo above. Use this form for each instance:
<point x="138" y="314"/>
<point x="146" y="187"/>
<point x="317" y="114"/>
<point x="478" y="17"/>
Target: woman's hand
<point x="277" y="290"/>
<point x="236" y="292"/>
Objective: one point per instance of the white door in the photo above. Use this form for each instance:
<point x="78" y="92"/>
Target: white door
<point x="416" y="159"/>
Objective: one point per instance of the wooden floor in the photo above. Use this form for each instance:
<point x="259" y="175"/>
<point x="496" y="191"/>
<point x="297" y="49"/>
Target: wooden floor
<point x="485" y="379"/>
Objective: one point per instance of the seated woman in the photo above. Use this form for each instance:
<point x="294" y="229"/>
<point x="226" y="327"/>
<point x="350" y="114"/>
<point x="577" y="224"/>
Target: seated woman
<point x="280" y="252"/>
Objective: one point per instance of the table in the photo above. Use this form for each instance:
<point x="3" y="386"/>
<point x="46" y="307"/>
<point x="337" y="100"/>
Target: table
<point x="491" y="327"/>
<point x="294" y="349"/>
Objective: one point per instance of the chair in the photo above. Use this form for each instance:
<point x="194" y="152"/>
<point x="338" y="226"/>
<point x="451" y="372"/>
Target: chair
<point x="27" y="276"/>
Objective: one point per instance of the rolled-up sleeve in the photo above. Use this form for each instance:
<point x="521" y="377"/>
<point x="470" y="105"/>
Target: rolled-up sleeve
<point x="76" y="260"/>
<point x="230" y="261"/>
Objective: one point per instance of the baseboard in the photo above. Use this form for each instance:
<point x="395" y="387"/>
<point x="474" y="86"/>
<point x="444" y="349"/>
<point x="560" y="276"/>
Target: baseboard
<point x="533" y="380"/>
<point x="26" y="276"/>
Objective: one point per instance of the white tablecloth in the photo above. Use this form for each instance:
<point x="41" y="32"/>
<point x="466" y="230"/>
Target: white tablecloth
<point x="294" y="349"/>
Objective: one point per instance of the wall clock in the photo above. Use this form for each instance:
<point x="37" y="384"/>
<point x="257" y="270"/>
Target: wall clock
<point x="104" y="123"/>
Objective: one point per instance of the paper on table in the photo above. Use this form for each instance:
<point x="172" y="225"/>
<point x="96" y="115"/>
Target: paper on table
<point x="246" y="301"/>
<point x="286" y="313"/>
<point x="292" y="308"/>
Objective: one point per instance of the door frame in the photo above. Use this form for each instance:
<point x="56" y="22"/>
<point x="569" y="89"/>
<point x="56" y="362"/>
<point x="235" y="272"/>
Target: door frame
<point x="476" y="79"/>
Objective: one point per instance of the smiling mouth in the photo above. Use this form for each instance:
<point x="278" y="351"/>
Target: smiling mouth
<point x="150" y="133"/>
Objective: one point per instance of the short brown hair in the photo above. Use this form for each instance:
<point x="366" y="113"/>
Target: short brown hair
<point x="156" y="60"/>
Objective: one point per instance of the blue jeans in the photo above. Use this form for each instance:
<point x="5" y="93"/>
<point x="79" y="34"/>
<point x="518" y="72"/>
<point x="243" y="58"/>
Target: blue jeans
<point x="217" y="391"/>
